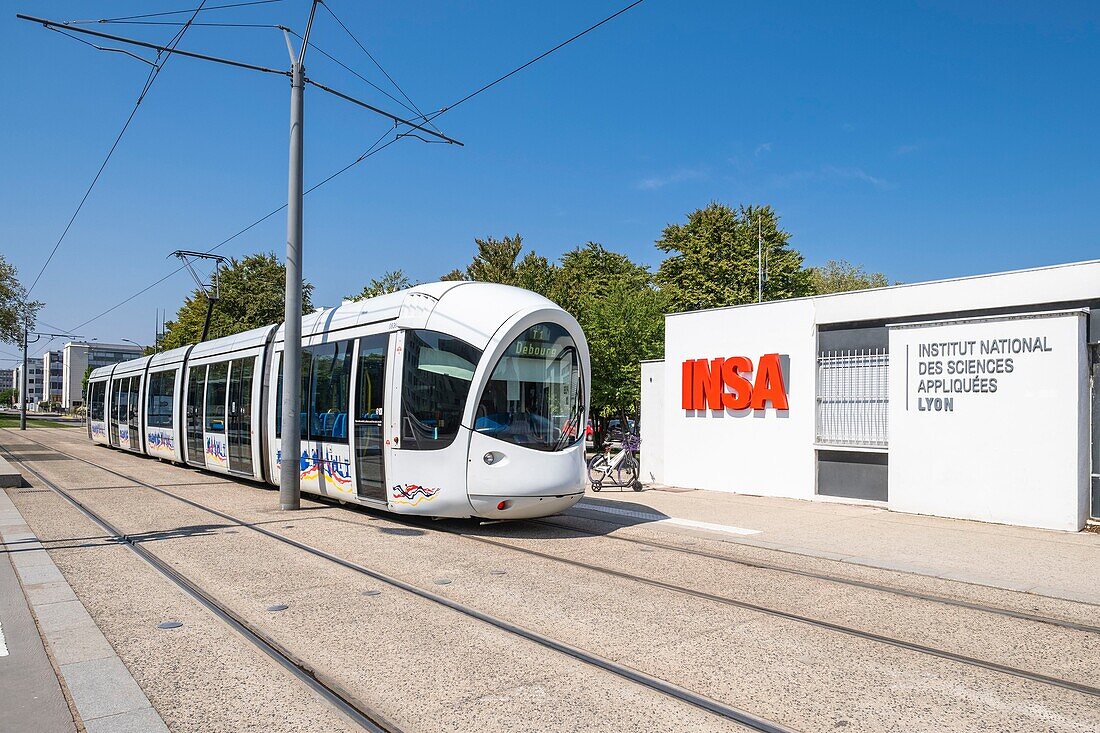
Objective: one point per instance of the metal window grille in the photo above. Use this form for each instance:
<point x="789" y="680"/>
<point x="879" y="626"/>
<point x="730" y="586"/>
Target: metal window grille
<point x="852" y="397"/>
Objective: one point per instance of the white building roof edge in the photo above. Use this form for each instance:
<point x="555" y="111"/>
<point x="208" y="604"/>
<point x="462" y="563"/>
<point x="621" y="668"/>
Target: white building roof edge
<point x="1050" y="283"/>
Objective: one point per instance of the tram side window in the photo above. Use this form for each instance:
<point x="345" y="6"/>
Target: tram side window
<point x="215" y="396"/>
<point x="436" y="377"/>
<point x="121" y="400"/>
<point x="304" y="424"/>
<point x="330" y="383"/>
<point x="95" y="400"/>
<point x="162" y="387"/>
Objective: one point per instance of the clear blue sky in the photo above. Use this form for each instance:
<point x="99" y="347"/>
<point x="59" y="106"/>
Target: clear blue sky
<point x="924" y="140"/>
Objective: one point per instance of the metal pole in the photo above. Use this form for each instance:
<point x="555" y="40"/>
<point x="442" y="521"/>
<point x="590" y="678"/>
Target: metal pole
<point x="290" y="478"/>
<point x="759" y="264"/>
<point x="291" y="444"/>
<point x="23" y="384"/>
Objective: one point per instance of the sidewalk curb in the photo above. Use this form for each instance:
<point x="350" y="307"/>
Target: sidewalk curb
<point x="93" y="678"/>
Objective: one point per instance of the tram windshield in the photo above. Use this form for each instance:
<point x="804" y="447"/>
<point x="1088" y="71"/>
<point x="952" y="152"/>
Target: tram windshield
<point x="533" y="397"/>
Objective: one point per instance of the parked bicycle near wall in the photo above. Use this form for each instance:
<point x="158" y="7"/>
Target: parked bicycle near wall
<point x="621" y="469"/>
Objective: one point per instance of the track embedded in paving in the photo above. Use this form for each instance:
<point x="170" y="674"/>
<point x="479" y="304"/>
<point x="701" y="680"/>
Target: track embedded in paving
<point x="627" y="672"/>
<point x="677" y="692"/>
<point x="355" y="710"/>
<point x="867" y="585"/>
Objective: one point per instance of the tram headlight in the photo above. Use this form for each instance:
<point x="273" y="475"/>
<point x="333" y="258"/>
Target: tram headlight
<point x="489" y="458"/>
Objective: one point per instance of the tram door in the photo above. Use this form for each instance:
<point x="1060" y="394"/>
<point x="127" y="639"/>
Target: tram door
<point x="369" y="430"/>
<point x="196" y="388"/>
<point x="133" y="415"/>
<point x="240" y="415"/>
<point x="119" y="396"/>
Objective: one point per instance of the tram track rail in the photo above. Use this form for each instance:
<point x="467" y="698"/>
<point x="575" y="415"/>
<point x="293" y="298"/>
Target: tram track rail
<point x="854" y="582"/>
<point x="342" y="701"/>
<point x="627" y="672"/>
<point x="799" y="618"/>
<point x="656" y="684"/>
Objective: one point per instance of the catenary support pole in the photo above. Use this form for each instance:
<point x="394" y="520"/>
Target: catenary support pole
<point x="290" y="495"/>
<point x="23" y="384"/>
<point x="291" y="446"/>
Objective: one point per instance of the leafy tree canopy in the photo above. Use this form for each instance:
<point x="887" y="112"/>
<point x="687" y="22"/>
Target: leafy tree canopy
<point x="713" y="259"/>
<point x="15" y="312"/>
<point x="7" y="397"/>
<point x="614" y="299"/>
<point x="390" y="282"/>
<point x="840" y="276"/>
<point x="498" y="261"/>
<point x="252" y="291"/>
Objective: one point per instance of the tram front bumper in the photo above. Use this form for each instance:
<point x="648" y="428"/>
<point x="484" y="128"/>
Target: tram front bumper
<point x="522" y="507"/>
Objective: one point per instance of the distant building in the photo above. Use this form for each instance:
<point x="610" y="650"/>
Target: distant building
<point x="6" y="379"/>
<point x="78" y="356"/>
<point x="51" y="373"/>
<point x="34" y="383"/>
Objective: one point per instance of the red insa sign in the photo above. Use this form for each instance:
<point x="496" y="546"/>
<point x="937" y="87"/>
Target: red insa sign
<point x="718" y="383"/>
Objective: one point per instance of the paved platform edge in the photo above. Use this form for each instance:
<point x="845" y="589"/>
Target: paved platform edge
<point x="106" y="696"/>
<point x="10" y="478"/>
<point x="916" y="567"/>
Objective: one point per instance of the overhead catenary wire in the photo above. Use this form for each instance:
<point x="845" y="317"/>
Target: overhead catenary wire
<point x="374" y="60"/>
<point x="408" y="105"/>
<point x="154" y="72"/>
<point x="541" y="56"/>
<point x="372" y="150"/>
<point x="363" y="157"/>
<point x="163" y="13"/>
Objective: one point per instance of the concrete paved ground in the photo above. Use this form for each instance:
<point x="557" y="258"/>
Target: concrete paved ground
<point x="1044" y="562"/>
<point x="30" y="695"/>
<point x="391" y="649"/>
<point x="102" y="691"/>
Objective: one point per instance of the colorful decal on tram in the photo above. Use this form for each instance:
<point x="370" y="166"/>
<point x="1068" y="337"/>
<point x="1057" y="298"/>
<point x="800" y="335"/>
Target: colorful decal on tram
<point x="160" y="442"/>
<point x="412" y="494"/>
<point x="215" y="451"/>
<point x="334" y="468"/>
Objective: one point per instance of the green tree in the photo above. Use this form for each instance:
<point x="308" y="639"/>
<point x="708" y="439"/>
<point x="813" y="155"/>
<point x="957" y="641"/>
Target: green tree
<point x="498" y="261"/>
<point x="84" y="382"/>
<point x="252" y="291"/>
<point x="713" y="259"/>
<point x="390" y="282"/>
<point x="614" y="299"/>
<point x="841" y="276"/>
<point x="7" y="397"/>
<point x="622" y="315"/>
<point x="15" y="312"/>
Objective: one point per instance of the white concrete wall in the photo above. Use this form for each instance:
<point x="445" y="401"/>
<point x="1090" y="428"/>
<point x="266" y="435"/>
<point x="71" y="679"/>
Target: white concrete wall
<point x="1016" y="455"/>
<point x="1057" y="283"/>
<point x="754" y="452"/>
<point x="653" y="422"/>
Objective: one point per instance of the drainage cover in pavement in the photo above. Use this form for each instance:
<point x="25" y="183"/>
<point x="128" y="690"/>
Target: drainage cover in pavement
<point x="442" y="581"/>
<point x="170" y="625"/>
<point x="278" y="607"/>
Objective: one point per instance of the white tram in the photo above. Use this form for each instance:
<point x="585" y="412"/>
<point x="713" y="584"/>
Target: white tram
<point x="451" y="399"/>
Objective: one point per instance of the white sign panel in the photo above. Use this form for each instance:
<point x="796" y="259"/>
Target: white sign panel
<point x="988" y="419"/>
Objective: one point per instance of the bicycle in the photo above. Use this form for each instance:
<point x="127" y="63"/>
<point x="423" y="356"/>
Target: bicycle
<point x="623" y="464"/>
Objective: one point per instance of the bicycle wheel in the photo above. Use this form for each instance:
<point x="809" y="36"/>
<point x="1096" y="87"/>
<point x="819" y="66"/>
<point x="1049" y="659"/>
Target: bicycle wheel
<point x="597" y="468"/>
<point x="628" y="471"/>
